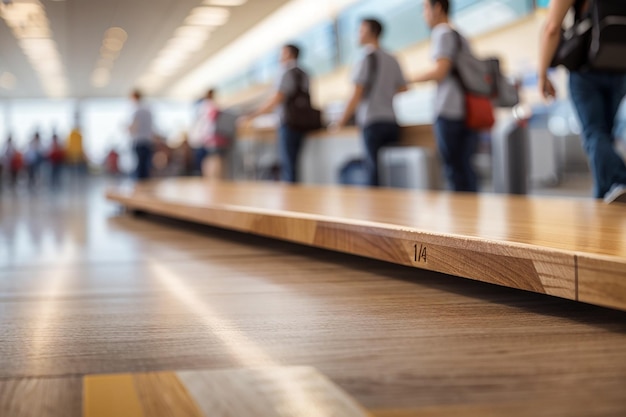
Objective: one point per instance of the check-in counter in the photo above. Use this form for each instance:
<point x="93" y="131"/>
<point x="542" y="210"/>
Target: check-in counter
<point x="323" y="154"/>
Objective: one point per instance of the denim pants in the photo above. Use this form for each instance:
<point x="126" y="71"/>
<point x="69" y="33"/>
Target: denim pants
<point x="377" y="136"/>
<point x="143" y="150"/>
<point x="597" y="97"/>
<point x="457" y="145"/>
<point x="289" y="145"/>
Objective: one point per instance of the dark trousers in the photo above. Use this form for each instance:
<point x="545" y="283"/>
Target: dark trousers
<point x="55" y="175"/>
<point x="289" y="145"/>
<point x="377" y="136"/>
<point x="597" y="98"/>
<point x="457" y="145"/>
<point x="143" y="151"/>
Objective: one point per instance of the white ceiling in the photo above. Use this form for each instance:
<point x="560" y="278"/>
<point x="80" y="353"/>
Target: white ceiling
<point x="78" y="28"/>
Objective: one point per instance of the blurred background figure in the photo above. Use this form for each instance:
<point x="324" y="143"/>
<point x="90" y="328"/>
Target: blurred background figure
<point x="184" y="157"/>
<point x="56" y="159"/>
<point x="378" y="79"/>
<point x="290" y="141"/>
<point x="457" y="143"/>
<point x="214" y="147"/>
<point x="112" y="163"/>
<point x="14" y="162"/>
<point x="141" y="132"/>
<point x="74" y="153"/>
<point x="33" y="158"/>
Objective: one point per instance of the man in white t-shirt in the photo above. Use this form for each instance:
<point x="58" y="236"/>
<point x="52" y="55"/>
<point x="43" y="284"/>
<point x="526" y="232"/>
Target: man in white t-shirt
<point x="457" y="143"/>
<point x="377" y="79"/>
<point x="142" y="134"/>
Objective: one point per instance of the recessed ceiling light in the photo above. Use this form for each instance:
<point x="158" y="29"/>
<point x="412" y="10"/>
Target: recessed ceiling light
<point x="193" y="32"/>
<point x="116" y="33"/>
<point x="208" y="16"/>
<point x="113" y="44"/>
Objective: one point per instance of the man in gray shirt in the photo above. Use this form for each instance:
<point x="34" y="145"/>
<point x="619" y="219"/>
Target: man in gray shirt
<point x="290" y="140"/>
<point x="378" y="78"/>
<point x="457" y="143"/>
<point x="141" y="132"/>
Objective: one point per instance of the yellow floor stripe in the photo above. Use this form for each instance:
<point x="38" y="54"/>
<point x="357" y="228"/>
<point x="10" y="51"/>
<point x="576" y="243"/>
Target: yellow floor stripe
<point x="110" y="395"/>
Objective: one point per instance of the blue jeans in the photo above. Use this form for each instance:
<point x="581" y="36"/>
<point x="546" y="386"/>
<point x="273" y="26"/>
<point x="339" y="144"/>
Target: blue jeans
<point x="597" y="97"/>
<point x="457" y="145"/>
<point x="377" y="136"/>
<point x="289" y="145"/>
<point x="143" y="150"/>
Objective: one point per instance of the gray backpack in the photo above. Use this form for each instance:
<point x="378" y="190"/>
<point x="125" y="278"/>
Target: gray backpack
<point x="483" y="77"/>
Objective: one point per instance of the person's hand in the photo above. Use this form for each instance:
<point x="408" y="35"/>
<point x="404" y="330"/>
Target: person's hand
<point x="244" y="121"/>
<point x="546" y="88"/>
<point x="335" y="127"/>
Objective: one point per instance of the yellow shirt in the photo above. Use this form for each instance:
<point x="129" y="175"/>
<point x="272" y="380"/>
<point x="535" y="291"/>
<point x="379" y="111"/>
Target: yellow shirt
<point x="74" y="147"/>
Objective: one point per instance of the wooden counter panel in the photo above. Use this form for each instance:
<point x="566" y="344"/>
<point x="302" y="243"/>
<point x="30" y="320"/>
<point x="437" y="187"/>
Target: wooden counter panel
<point x="525" y="247"/>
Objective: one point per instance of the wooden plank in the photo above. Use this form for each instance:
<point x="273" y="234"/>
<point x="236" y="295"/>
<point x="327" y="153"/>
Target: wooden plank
<point x="163" y="395"/>
<point x="602" y="281"/>
<point x="33" y="397"/>
<point x="523" y="243"/>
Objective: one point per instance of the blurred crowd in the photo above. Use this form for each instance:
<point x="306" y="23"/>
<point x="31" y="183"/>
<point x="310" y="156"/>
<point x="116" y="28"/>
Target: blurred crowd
<point x="42" y="162"/>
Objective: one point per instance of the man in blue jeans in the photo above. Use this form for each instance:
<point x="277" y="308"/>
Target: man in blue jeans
<point x="290" y="141"/>
<point x="597" y="96"/>
<point x="377" y="79"/>
<point x="456" y="142"/>
<point x="142" y="133"/>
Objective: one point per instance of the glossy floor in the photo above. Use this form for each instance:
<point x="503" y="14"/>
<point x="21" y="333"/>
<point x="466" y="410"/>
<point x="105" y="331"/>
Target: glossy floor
<point x="87" y="290"/>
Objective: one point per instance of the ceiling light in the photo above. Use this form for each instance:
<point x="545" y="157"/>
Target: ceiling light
<point x="193" y="32"/>
<point x="116" y="33"/>
<point x="208" y="16"/>
<point x="186" y="44"/>
<point x="113" y="44"/>
<point x="225" y="2"/>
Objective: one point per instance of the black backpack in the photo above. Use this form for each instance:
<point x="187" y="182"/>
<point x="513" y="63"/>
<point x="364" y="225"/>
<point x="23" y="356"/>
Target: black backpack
<point x="299" y="113"/>
<point x="608" y="35"/>
<point x="597" y="40"/>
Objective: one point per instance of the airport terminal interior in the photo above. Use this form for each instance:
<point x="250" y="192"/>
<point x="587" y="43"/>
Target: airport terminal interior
<point x="269" y="208"/>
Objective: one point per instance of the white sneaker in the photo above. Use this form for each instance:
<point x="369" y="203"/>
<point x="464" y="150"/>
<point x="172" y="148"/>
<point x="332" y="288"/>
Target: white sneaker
<point x="616" y="195"/>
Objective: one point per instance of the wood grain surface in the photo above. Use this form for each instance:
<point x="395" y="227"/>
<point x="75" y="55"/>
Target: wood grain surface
<point x="87" y="291"/>
<point x="540" y="245"/>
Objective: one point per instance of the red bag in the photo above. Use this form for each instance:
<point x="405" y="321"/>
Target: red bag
<point x="479" y="114"/>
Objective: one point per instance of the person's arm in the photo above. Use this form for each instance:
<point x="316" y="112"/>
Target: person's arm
<point x="438" y="73"/>
<point x="357" y="96"/>
<point x="132" y="128"/>
<point x="550" y="38"/>
<point x="269" y="105"/>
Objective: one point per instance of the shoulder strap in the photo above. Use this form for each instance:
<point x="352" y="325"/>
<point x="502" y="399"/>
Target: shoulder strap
<point x="372" y="66"/>
<point x="298" y="75"/>
<point x="455" y="71"/>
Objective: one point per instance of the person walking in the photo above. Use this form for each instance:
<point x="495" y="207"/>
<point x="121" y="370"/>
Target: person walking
<point x="377" y="80"/>
<point x="457" y="143"/>
<point x="215" y="146"/>
<point x="141" y="131"/>
<point x="290" y="140"/>
<point x="597" y="96"/>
